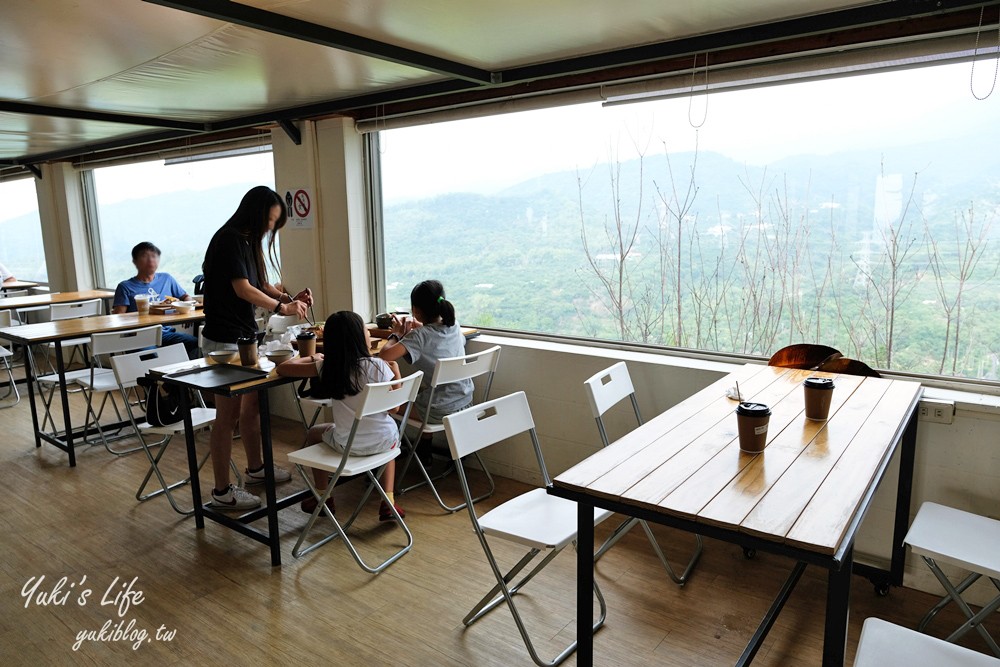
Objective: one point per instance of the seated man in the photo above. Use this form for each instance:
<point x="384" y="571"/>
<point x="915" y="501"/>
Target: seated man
<point x="5" y="275"/>
<point x="146" y="258"/>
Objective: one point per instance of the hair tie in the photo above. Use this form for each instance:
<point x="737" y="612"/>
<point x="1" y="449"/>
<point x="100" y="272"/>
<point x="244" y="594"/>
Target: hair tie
<point x="440" y="299"/>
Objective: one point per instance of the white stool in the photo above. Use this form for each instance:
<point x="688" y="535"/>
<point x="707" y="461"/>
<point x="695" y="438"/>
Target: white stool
<point x="965" y="540"/>
<point x="883" y="644"/>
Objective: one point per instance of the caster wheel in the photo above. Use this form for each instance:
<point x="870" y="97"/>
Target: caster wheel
<point x="882" y="589"/>
<point x="749" y="553"/>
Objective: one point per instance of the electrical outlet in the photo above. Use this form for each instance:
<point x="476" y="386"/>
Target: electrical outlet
<point x="937" y="411"/>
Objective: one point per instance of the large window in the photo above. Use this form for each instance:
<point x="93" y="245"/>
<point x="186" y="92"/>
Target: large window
<point x="21" y="248"/>
<point x="858" y="212"/>
<point x="177" y="207"/>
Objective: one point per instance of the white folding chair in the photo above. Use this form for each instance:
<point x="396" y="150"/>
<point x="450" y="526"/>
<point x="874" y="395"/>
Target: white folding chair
<point x="884" y="644"/>
<point x="454" y="369"/>
<point x="72" y="311"/>
<point x="375" y="398"/>
<point x="605" y="390"/>
<point x="533" y="519"/>
<point x="965" y="540"/>
<point x="128" y="368"/>
<point x="101" y="379"/>
<point x="5" y="357"/>
<point x="48" y="384"/>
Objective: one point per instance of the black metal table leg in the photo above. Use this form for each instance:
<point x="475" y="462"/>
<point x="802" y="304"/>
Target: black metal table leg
<point x="269" y="490"/>
<point x="67" y="423"/>
<point x="838" y="602"/>
<point x="192" y="456"/>
<point x="904" y="494"/>
<point x="585" y="584"/>
<point x="29" y="371"/>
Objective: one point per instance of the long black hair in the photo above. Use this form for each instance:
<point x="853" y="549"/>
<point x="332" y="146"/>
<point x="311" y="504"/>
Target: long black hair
<point x="428" y="296"/>
<point x="251" y="220"/>
<point x="344" y="353"/>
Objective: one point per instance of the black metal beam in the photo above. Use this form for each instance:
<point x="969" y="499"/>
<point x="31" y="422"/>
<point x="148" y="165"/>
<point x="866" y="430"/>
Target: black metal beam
<point x="291" y="130"/>
<point x="12" y="106"/>
<point x="279" y="24"/>
<point x="34" y="169"/>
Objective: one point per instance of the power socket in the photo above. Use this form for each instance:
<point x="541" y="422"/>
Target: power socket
<point x="937" y="411"/>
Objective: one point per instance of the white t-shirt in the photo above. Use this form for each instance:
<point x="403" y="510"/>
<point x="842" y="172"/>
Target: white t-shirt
<point x="376" y="433"/>
<point x="5" y="273"/>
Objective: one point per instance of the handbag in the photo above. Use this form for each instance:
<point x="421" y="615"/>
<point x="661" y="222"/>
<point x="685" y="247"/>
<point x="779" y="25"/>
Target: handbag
<point x="163" y="402"/>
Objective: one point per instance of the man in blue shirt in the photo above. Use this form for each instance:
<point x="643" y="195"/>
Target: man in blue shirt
<point x="146" y="258"/>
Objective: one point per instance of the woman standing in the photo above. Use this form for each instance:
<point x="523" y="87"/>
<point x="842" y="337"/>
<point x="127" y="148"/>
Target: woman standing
<point x="235" y="282"/>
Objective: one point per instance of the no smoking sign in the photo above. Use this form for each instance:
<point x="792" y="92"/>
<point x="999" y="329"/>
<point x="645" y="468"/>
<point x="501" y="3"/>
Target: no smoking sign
<point x="299" y="208"/>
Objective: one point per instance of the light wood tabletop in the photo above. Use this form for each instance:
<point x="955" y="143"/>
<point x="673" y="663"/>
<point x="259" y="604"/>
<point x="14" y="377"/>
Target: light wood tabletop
<point x="803" y="490"/>
<point x="46" y="332"/>
<point x="35" y="300"/>
<point x="18" y="284"/>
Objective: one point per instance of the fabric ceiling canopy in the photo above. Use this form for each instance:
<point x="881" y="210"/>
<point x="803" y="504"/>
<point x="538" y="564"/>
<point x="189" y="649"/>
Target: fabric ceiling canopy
<point x="77" y="77"/>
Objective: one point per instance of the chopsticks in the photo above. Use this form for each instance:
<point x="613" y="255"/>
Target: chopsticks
<point x="312" y="313"/>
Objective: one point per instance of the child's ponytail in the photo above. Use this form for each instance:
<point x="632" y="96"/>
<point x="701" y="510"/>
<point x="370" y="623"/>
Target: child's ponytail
<point x="428" y="296"/>
<point x="447" y="312"/>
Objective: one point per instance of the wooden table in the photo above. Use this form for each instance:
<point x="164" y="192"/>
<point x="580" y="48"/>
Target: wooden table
<point x="17" y="284"/>
<point x="804" y="496"/>
<point x="47" y="299"/>
<point x="273" y="505"/>
<point x="61" y="330"/>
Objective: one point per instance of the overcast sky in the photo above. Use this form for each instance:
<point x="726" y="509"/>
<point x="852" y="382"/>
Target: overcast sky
<point x="754" y="126"/>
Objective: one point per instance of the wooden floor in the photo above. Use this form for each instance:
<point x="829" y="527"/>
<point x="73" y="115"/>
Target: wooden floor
<point x="216" y="590"/>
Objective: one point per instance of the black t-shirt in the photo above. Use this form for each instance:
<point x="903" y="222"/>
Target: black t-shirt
<point x="228" y="258"/>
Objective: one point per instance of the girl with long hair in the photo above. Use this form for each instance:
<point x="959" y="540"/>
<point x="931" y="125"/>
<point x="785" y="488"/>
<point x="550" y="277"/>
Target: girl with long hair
<point x="434" y="335"/>
<point x="343" y="370"/>
<point x="236" y="281"/>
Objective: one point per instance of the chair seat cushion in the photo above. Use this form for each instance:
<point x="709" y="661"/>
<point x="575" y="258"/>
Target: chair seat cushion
<point x="883" y="644"/>
<point x="200" y="418"/>
<point x="960" y="538"/>
<point x="325" y="458"/>
<point x="536" y="519"/>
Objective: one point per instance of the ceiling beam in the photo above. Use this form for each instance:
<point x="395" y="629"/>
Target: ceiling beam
<point x="838" y="20"/>
<point x="279" y="24"/>
<point x="12" y="106"/>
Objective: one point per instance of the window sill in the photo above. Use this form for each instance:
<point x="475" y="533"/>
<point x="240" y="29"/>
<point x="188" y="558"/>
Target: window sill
<point x="967" y="400"/>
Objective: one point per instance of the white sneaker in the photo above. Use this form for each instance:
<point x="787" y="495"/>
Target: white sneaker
<point x="234" y="498"/>
<point x="280" y="475"/>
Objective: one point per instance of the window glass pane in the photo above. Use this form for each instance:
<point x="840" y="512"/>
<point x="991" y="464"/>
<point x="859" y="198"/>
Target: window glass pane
<point x="21" y="248"/>
<point x="858" y="212"/>
<point x="177" y="207"/>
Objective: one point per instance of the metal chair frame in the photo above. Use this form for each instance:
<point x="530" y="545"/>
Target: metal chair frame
<point x="376" y="398"/>
<point x="605" y="390"/>
<point x="446" y="371"/>
<point x="476" y="428"/>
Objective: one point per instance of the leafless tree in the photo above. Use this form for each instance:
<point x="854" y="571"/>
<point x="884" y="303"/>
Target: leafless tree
<point x="953" y="283"/>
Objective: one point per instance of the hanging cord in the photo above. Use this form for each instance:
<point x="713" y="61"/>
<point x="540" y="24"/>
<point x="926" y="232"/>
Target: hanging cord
<point x="694" y="72"/>
<point x="975" y="55"/>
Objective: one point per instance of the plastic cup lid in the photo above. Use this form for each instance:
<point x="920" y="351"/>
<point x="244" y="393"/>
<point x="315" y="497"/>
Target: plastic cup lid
<point x="306" y="335"/>
<point x="753" y="410"/>
<point x="819" y="383"/>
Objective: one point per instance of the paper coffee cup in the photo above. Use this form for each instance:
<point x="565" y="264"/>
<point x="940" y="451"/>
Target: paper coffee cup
<point x="818" y="394"/>
<point x="751" y="421"/>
